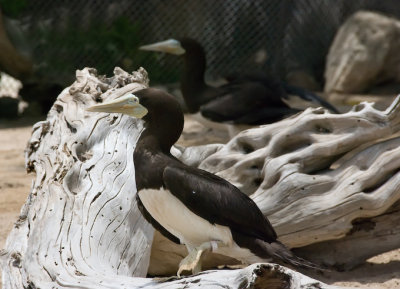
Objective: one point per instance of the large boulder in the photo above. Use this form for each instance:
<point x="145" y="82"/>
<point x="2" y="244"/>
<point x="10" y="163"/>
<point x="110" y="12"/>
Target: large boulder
<point x="364" y="53"/>
<point x="12" y="61"/>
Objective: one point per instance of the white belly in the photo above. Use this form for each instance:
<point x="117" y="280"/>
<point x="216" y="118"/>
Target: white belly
<point x="176" y="218"/>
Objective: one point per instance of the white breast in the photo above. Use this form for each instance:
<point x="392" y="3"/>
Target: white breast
<point x="174" y="216"/>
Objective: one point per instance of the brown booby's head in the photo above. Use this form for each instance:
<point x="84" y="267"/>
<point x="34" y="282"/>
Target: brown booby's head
<point x="148" y="103"/>
<point x="127" y="104"/>
<point x="161" y="112"/>
<point x="192" y="79"/>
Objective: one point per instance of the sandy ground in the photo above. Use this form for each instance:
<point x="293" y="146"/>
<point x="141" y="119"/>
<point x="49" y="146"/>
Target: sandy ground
<point x="382" y="271"/>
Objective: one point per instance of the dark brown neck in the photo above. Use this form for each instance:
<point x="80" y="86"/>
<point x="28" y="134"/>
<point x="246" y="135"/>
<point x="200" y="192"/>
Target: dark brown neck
<point x="192" y="83"/>
<point x="163" y="127"/>
<point x="150" y="162"/>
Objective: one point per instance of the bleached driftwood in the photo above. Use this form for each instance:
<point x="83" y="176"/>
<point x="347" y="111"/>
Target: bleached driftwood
<point x="315" y="173"/>
<point x="80" y="226"/>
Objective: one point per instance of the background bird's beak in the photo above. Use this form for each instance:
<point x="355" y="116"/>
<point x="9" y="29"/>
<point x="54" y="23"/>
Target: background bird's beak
<point x="171" y="46"/>
<point x="126" y="104"/>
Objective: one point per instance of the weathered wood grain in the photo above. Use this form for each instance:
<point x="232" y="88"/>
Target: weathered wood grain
<point x="80" y="227"/>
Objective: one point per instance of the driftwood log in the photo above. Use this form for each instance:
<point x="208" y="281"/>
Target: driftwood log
<point x="329" y="184"/>
<point x="317" y="176"/>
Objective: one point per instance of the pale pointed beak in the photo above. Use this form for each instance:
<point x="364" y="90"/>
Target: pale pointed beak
<point x="128" y="104"/>
<point x="171" y="46"/>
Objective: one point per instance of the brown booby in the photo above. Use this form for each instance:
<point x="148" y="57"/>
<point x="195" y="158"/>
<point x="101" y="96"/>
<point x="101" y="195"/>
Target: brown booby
<point x="186" y="204"/>
<point x="252" y="98"/>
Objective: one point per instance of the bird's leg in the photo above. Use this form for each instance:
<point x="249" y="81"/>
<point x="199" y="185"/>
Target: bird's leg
<point x="192" y="262"/>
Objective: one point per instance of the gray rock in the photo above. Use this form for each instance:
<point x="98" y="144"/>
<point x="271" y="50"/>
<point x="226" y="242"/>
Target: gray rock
<point x="364" y="53"/>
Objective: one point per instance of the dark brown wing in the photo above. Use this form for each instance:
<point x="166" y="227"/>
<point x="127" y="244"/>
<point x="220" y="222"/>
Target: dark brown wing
<point x="247" y="102"/>
<point x="217" y="201"/>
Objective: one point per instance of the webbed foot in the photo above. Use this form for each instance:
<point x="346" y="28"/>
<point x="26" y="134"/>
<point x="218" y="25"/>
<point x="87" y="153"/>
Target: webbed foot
<point x="192" y="262"/>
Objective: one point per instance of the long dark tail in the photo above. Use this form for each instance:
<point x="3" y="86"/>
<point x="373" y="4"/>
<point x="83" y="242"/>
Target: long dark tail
<point x="309" y="96"/>
<point x="280" y="252"/>
<point x="275" y="250"/>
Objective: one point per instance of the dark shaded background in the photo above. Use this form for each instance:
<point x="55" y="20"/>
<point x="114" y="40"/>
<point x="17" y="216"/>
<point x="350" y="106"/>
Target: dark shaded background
<point x="279" y="36"/>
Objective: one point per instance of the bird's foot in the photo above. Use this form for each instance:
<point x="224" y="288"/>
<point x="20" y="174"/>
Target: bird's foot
<point x="192" y="262"/>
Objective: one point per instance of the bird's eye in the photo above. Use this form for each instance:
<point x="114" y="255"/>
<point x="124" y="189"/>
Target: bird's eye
<point x="133" y="100"/>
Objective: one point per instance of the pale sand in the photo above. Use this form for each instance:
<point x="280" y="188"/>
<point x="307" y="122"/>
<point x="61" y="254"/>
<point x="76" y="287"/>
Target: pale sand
<point x="382" y="271"/>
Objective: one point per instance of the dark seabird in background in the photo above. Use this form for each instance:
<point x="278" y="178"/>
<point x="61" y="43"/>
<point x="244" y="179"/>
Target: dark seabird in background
<point x="188" y="205"/>
<point x="252" y="98"/>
